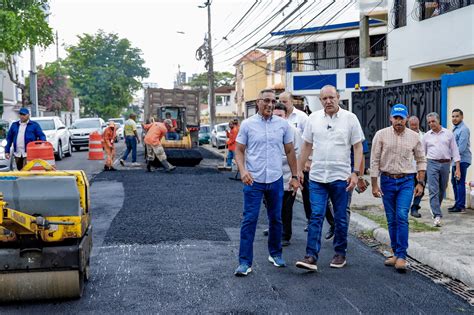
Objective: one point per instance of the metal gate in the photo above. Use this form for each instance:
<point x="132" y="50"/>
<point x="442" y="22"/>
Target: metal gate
<point x="373" y="107"/>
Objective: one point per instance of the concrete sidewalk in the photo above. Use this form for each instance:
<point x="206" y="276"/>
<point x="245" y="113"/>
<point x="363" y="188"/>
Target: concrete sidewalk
<point x="449" y="249"/>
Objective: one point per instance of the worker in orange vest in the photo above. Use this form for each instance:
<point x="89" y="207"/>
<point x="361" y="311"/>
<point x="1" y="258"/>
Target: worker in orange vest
<point x="108" y="139"/>
<point x="155" y="131"/>
<point x="231" y="135"/>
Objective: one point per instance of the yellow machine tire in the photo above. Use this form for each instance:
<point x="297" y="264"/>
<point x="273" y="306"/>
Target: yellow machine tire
<point x="41" y="285"/>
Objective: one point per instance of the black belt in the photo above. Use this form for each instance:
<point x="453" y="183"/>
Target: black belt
<point x="442" y="160"/>
<point x="395" y="176"/>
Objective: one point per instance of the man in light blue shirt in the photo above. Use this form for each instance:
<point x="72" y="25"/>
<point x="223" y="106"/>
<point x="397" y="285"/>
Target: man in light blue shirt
<point x="261" y="141"/>
<point x="462" y="135"/>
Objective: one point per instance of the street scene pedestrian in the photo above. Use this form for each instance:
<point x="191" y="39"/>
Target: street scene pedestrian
<point x="333" y="131"/>
<point x="441" y="150"/>
<point x="360" y="188"/>
<point x="108" y="139"/>
<point x="414" y="124"/>
<point x="261" y="138"/>
<point x="21" y="133"/>
<point x="131" y="139"/>
<point x="462" y="135"/>
<point x="289" y="195"/>
<point x="172" y="132"/>
<point x="231" y="137"/>
<point x="393" y="151"/>
<point x="155" y="131"/>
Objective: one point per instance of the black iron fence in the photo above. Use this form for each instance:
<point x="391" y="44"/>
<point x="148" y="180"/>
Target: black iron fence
<point x="373" y="107"/>
<point x="430" y="8"/>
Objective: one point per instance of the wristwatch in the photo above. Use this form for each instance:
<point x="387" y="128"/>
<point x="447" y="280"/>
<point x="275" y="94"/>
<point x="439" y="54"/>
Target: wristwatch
<point x="422" y="183"/>
<point x="294" y="177"/>
<point x="356" y="172"/>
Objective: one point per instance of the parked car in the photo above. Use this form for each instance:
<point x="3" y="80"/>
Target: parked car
<point x="57" y="134"/>
<point x="204" y="134"/>
<point x="218" y="135"/>
<point x="121" y="124"/>
<point x="5" y="165"/>
<point x="81" y="129"/>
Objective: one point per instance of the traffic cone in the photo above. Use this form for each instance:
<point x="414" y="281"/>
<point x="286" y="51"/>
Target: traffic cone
<point x="42" y="150"/>
<point x="96" y="151"/>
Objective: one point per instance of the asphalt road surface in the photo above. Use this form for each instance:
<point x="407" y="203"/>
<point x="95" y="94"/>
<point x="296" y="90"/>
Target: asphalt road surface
<point x="168" y="243"/>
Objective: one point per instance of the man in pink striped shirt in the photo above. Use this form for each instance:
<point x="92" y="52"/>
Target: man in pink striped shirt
<point x="440" y="149"/>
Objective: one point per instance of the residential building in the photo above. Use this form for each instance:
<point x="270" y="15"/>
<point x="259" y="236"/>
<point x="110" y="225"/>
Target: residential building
<point x="250" y="79"/>
<point x="329" y="54"/>
<point x="428" y="39"/>
<point x="11" y="94"/>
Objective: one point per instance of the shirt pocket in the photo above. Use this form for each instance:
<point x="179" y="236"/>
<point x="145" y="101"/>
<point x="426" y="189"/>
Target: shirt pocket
<point x="339" y="137"/>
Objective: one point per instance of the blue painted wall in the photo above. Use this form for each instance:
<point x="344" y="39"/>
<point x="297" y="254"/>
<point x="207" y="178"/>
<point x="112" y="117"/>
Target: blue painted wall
<point x="313" y="82"/>
<point x="452" y="80"/>
<point x="352" y="79"/>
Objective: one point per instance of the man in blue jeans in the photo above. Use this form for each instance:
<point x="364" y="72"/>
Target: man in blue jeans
<point x="261" y="139"/>
<point x="393" y="151"/>
<point x="332" y="132"/>
<point x="462" y="135"/>
<point x="131" y="140"/>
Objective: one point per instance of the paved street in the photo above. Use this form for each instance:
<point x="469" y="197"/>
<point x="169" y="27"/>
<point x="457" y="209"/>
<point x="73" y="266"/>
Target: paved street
<point x="168" y="243"/>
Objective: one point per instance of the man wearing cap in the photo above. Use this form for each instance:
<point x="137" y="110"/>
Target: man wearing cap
<point x="393" y="151"/>
<point x="20" y="134"/>
<point x="441" y="150"/>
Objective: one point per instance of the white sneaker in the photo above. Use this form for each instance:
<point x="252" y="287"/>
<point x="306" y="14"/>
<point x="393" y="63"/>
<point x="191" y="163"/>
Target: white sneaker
<point x="136" y="164"/>
<point x="437" y="222"/>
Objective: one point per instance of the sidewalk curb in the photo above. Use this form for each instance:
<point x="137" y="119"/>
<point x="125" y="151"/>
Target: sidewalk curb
<point x="447" y="265"/>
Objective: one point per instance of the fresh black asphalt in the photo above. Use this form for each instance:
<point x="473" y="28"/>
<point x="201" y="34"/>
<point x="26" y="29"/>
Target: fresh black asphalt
<point x="173" y="246"/>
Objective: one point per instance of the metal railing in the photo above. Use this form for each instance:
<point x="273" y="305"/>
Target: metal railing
<point x="431" y="8"/>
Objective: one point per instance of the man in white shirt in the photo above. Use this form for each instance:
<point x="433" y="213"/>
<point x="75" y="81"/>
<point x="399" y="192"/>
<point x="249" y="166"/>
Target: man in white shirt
<point x="289" y="195"/>
<point x="332" y="132"/>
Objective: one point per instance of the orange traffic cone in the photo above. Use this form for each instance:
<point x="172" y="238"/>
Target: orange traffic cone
<point x="42" y="150"/>
<point x="96" y="151"/>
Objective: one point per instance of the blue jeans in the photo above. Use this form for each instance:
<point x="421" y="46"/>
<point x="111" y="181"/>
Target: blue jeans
<point x="273" y="194"/>
<point x="319" y="194"/>
<point x="438" y="177"/>
<point x="230" y="157"/>
<point x="131" y="143"/>
<point x="459" y="187"/>
<point x="397" y="196"/>
<point x="172" y="136"/>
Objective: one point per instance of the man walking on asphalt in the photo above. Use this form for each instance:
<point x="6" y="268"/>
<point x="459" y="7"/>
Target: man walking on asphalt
<point x="440" y="149"/>
<point x="361" y="187"/>
<point x="155" y="131"/>
<point x="20" y="134"/>
<point x="288" y="196"/>
<point x="299" y="119"/>
<point x="332" y="131"/>
<point x="462" y="135"/>
<point x="393" y="151"/>
<point x="231" y="135"/>
<point x="131" y="140"/>
<point x="414" y="124"/>
<point x="261" y="140"/>
<point x="108" y="139"/>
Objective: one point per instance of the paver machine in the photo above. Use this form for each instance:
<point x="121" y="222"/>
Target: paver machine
<point x="183" y="107"/>
<point x="45" y="233"/>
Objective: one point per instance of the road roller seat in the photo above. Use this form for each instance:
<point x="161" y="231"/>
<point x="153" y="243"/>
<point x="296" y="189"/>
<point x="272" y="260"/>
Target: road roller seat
<point x="48" y="196"/>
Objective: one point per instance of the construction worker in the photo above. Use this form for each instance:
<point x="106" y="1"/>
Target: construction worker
<point x="20" y="134"/>
<point x="155" y="131"/>
<point x="108" y="138"/>
<point x="231" y="135"/>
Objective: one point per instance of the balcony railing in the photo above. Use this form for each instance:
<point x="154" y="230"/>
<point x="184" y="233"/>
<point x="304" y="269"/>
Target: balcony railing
<point x="431" y="8"/>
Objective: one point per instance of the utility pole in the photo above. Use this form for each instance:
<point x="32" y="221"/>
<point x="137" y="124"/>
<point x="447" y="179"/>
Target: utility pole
<point x="210" y="69"/>
<point x="33" y="84"/>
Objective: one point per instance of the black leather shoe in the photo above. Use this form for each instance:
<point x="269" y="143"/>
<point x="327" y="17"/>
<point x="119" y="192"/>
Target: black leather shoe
<point x="415" y="214"/>
<point x="330" y="233"/>
<point x="452" y="208"/>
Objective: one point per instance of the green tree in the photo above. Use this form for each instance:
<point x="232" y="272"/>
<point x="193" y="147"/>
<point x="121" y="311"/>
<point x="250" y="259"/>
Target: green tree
<point x="22" y="25"/>
<point x="200" y="82"/>
<point x="105" y="71"/>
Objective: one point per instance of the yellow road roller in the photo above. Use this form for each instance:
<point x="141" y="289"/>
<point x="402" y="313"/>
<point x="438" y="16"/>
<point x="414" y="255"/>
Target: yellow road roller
<point x="45" y="233"/>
